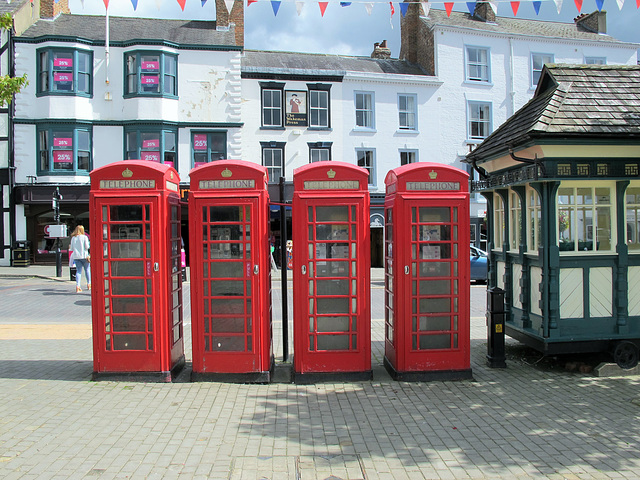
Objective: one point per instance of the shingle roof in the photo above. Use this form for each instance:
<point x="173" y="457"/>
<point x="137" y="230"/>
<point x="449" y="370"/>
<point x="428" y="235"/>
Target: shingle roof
<point x="123" y="29"/>
<point x="268" y="62"/>
<point x="515" y="26"/>
<point x="582" y="100"/>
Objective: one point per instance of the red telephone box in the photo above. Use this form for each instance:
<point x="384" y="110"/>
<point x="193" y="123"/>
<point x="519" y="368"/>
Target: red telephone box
<point x="427" y="286"/>
<point x="135" y="268"/>
<point x="230" y="272"/>
<point x="331" y="276"/>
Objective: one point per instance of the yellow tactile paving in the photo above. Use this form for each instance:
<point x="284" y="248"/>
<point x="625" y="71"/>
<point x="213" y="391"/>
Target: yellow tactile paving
<point x="45" y="332"/>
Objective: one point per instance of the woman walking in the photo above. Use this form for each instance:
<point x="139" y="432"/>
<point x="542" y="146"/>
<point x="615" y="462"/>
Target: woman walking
<point x="80" y="253"/>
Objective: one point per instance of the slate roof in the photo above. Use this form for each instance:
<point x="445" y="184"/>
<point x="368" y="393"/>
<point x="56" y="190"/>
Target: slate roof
<point x="515" y="26"/>
<point x="125" y="29"/>
<point x="11" y="7"/>
<point x="274" y="62"/>
<point x="586" y="101"/>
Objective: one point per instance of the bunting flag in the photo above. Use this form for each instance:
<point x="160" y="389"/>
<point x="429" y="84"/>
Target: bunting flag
<point x="249" y="2"/>
<point x="578" y="4"/>
<point x="599" y="4"/>
<point x="426" y="7"/>
<point x="275" y="4"/>
<point x="135" y="4"/>
<point x="404" y="6"/>
<point x="106" y="3"/>
<point x="345" y="4"/>
<point x="299" y="6"/>
<point x="323" y="7"/>
<point x="620" y="4"/>
<point x="180" y="2"/>
<point x="637" y="3"/>
<point x="494" y="7"/>
<point x="472" y="7"/>
<point x="205" y="1"/>
<point x="536" y="7"/>
<point x="448" y="6"/>
<point x="393" y="10"/>
<point x="368" y="7"/>
<point x="229" y="5"/>
<point x="558" y="5"/>
<point x="515" y="6"/>
<point x="158" y="4"/>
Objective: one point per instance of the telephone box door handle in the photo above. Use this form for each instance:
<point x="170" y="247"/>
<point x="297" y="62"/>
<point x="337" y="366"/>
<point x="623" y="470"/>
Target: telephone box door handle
<point x="156" y="266"/>
<point x="304" y="269"/>
<point x="406" y="269"/>
<point x="256" y="269"/>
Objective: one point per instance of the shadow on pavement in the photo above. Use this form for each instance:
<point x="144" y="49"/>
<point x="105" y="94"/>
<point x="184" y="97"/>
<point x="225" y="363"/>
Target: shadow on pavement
<point x="65" y="370"/>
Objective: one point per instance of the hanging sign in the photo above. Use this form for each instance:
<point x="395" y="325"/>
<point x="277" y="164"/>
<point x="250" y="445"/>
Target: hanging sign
<point x="296" y="108"/>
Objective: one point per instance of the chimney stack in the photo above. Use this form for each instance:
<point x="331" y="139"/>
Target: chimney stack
<point x="380" y="50"/>
<point x="595" y="22"/>
<point x="224" y="18"/>
<point x="484" y="12"/>
<point x="51" y="8"/>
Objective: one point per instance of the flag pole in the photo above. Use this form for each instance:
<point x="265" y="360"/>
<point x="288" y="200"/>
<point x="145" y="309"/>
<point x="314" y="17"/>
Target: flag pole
<point x="106" y="51"/>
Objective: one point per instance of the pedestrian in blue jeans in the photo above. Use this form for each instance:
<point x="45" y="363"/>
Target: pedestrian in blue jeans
<point x="80" y="253"/>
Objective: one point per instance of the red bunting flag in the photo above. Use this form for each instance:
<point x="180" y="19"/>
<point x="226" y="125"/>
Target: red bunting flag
<point x="106" y="3"/>
<point x="323" y="7"/>
<point x="393" y="10"/>
<point x="448" y="6"/>
<point x="578" y="5"/>
<point x="249" y="2"/>
<point x="637" y="3"/>
<point x="514" y="7"/>
<point x="182" y="3"/>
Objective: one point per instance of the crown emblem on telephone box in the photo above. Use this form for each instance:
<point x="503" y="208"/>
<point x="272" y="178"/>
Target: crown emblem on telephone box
<point x="331" y="173"/>
<point x="126" y="173"/>
<point x="226" y="173"/>
<point x="433" y="174"/>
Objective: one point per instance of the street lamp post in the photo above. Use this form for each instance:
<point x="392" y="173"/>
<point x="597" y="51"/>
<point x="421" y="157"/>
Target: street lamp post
<point x="55" y="202"/>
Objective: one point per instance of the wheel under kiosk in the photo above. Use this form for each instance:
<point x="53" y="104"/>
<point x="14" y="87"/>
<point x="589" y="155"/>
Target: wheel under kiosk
<point x="427" y="281"/>
<point x="331" y="273"/>
<point x="230" y="272"/>
<point x="136" y="275"/>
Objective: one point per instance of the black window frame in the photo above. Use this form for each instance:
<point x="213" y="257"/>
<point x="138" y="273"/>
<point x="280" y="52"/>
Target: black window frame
<point x="273" y="146"/>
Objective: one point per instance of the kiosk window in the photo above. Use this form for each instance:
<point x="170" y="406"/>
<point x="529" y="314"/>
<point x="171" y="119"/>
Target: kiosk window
<point x="584" y="218"/>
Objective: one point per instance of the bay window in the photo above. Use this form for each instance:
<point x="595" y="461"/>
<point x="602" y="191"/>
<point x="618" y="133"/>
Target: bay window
<point x="64" y="150"/>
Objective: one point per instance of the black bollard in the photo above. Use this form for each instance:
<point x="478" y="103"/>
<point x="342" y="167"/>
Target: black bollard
<point x="495" y="328"/>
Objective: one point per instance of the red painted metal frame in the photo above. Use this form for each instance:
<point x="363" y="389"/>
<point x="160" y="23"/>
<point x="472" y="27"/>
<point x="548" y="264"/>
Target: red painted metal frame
<point x="399" y="292"/>
<point x="331" y="361"/>
<point x="230" y="177"/>
<point x="116" y="189"/>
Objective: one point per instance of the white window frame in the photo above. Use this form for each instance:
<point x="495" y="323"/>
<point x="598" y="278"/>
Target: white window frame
<point x="534" y="219"/>
<point x="372" y="167"/>
<point x="574" y="219"/>
<point x="468" y="64"/>
<point x="534" y="71"/>
<point x="471" y="119"/>
<point x="315" y="108"/>
<point x="370" y="111"/>
<point x="410" y="114"/>
<point x="271" y="108"/>
<point x="632" y="216"/>
<point x="595" y="60"/>
<point x="271" y="147"/>
<point x="515" y="220"/>
<point x="409" y="151"/>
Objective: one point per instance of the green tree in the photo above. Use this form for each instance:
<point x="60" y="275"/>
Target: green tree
<point x="9" y="86"/>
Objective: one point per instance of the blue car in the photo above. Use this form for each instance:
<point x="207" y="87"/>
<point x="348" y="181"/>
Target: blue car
<point x="478" y="264"/>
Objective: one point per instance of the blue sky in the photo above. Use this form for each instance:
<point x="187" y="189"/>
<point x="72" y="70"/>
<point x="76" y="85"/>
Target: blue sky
<point x="347" y="30"/>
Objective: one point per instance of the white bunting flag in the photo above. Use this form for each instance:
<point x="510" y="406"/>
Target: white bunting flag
<point x="229" y="5"/>
<point x="494" y="7"/>
<point x="158" y="4"/>
<point x="299" y="6"/>
<point x="426" y="7"/>
<point x="558" y="5"/>
<point x="369" y="7"/>
<point x="620" y="4"/>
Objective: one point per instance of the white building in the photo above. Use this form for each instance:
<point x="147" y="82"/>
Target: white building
<point x="185" y="92"/>
<point x="153" y="91"/>
<point x="489" y="67"/>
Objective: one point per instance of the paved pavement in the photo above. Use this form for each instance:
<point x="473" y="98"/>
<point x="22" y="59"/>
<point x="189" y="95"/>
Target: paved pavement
<point x="533" y="419"/>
